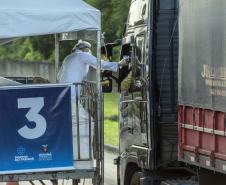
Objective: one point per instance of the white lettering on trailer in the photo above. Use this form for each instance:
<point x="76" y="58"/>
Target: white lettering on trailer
<point x="224" y="167"/>
<point x="207" y="163"/>
<point x="192" y="159"/>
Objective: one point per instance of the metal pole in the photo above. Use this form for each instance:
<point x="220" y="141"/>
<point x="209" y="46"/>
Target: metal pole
<point x="90" y="125"/>
<point x="99" y="106"/>
<point x="77" y="119"/>
<point x="102" y="138"/>
<point x="57" y="50"/>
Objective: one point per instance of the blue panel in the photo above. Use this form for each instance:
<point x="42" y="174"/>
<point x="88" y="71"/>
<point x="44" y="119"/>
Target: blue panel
<point x="35" y="129"/>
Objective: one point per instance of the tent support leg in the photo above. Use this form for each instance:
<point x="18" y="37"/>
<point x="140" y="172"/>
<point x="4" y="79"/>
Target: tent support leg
<point x="57" y="51"/>
<point x="100" y="112"/>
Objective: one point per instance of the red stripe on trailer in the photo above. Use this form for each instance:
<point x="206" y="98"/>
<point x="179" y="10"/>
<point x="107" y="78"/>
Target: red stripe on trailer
<point x="202" y="137"/>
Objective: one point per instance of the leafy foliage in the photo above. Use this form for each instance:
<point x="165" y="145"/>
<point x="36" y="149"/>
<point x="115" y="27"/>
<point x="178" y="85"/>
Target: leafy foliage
<point x="41" y="48"/>
<point x="114" y="15"/>
<point x="28" y="49"/>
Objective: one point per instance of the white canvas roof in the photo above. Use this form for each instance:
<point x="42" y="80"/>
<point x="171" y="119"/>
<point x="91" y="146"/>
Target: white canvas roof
<point x="19" y="18"/>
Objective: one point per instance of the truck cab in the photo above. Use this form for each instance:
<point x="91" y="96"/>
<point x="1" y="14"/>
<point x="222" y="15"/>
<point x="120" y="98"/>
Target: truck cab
<point x="172" y="94"/>
<point x="148" y="92"/>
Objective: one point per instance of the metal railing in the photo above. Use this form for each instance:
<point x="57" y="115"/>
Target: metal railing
<point x="85" y="97"/>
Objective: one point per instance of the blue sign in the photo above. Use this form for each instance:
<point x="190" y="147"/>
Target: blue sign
<point x="35" y="129"/>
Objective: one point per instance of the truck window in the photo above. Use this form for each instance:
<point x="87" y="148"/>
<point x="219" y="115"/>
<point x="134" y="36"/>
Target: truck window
<point x="140" y="48"/>
<point x="138" y="13"/>
<point x="139" y="59"/>
<point x="168" y="4"/>
<point x="133" y="81"/>
<point x="138" y="65"/>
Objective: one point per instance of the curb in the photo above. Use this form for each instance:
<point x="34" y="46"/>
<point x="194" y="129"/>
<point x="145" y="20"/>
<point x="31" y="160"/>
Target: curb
<point x="111" y="148"/>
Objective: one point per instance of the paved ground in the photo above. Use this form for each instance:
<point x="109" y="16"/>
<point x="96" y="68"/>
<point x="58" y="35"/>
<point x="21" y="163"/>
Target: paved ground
<point x="110" y="169"/>
<point x="110" y="174"/>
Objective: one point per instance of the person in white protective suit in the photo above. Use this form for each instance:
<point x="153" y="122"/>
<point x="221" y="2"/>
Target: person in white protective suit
<point x="74" y="69"/>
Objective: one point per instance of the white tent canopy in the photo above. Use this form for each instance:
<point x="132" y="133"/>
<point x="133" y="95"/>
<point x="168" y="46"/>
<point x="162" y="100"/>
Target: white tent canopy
<point x="20" y="18"/>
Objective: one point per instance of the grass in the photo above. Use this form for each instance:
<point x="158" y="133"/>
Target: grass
<point x="111" y="119"/>
<point x="110" y="104"/>
<point x="111" y="132"/>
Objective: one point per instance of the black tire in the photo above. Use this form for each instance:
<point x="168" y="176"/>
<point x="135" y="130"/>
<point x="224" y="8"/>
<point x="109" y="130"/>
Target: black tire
<point x="135" y="180"/>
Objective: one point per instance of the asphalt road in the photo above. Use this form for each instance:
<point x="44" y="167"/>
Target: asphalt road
<point x="110" y="169"/>
<point x="110" y="174"/>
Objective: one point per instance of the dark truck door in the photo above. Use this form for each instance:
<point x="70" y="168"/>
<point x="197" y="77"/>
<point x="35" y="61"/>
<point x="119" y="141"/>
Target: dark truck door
<point x="133" y="103"/>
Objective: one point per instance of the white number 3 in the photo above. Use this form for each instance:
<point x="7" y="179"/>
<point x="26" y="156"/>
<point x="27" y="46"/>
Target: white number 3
<point x="35" y="105"/>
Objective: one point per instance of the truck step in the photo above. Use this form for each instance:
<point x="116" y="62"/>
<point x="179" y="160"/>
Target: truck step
<point x="180" y="182"/>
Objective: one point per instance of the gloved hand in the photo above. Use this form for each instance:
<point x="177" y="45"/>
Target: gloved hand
<point x="123" y="62"/>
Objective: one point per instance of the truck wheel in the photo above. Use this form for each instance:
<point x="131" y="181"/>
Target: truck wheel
<point x="135" y="180"/>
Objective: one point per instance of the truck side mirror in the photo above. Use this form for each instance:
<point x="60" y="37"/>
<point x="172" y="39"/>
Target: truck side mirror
<point x="107" y="50"/>
<point x="106" y="81"/>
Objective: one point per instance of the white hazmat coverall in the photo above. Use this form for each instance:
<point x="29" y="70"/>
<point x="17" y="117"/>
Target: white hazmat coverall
<point x="74" y="70"/>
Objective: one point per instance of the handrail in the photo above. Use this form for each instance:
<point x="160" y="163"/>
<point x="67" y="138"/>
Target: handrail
<point x="86" y="99"/>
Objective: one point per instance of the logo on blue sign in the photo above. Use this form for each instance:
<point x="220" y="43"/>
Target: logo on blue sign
<point x="21" y="150"/>
<point x="45" y="148"/>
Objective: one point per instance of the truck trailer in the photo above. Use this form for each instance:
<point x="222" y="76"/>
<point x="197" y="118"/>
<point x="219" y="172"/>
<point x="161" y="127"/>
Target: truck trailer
<point x="172" y="94"/>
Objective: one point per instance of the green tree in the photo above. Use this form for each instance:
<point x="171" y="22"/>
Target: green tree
<point x="44" y="45"/>
<point x="113" y="15"/>
<point x="20" y="49"/>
